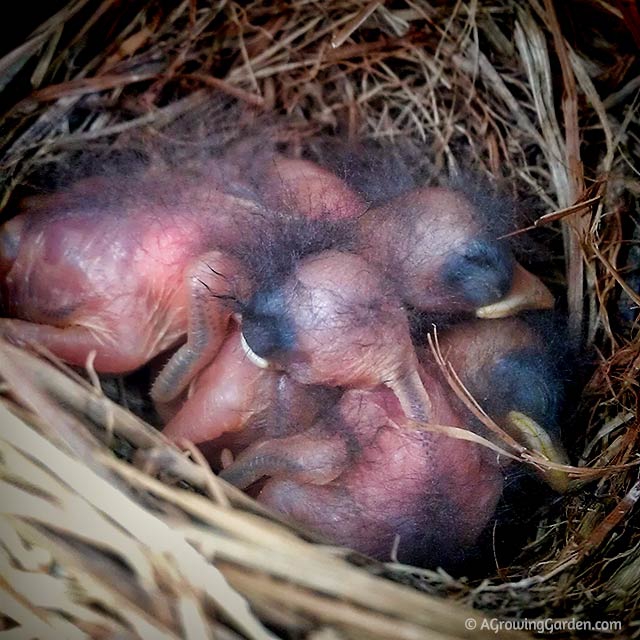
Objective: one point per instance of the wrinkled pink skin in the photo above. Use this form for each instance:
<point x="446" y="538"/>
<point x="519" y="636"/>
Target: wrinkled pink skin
<point x="399" y="235"/>
<point x="305" y="187"/>
<point x="127" y="279"/>
<point x="360" y="478"/>
<point x="436" y="494"/>
<point x="234" y="405"/>
<point x="234" y="402"/>
<point x="351" y="330"/>
<point x="293" y="184"/>
<point x="130" y="279"/>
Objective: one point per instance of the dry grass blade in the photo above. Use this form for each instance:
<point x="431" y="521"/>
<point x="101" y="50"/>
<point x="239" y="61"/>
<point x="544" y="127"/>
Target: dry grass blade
<point x="34" y="624"/>
<point x="139" y="537"/>
<point x="575" y="228"/>
<point x="12" y="62"/>
<point x="344" y="33"/>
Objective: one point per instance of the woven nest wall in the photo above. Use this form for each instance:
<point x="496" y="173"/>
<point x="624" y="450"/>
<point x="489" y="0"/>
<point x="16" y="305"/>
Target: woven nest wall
<point x="148" y="542"/>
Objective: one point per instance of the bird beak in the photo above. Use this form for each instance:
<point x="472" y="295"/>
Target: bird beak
<point x="530" y="434"/>
<point x="527" y="292"/>
<point x="253" y="357"/>
<point x="412" y="396"/>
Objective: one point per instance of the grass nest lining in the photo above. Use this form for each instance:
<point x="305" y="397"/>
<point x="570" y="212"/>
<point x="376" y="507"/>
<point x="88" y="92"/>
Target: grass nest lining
<point x="544" y="97"/>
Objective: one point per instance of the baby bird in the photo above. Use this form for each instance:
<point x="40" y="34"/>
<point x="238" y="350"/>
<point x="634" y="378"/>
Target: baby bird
<point x="334" y="321"/>
<point x="443" y="246"/>
<point x="510" y="369"/>
<point x="234" y="402"/>
<point x="364" y="477"/>
<point x="126" y="269"/>
<point x="433" y="245"/>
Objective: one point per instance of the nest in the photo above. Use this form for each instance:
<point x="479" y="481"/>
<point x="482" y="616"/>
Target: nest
<point x="148" y="542"/>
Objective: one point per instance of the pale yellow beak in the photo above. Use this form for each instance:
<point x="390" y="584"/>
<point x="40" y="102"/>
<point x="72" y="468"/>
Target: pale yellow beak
<point x="531" y="435"/>
<point x="527" y="292"/>
<point x="412" y="395"/>
<point x="253" y="357"/>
